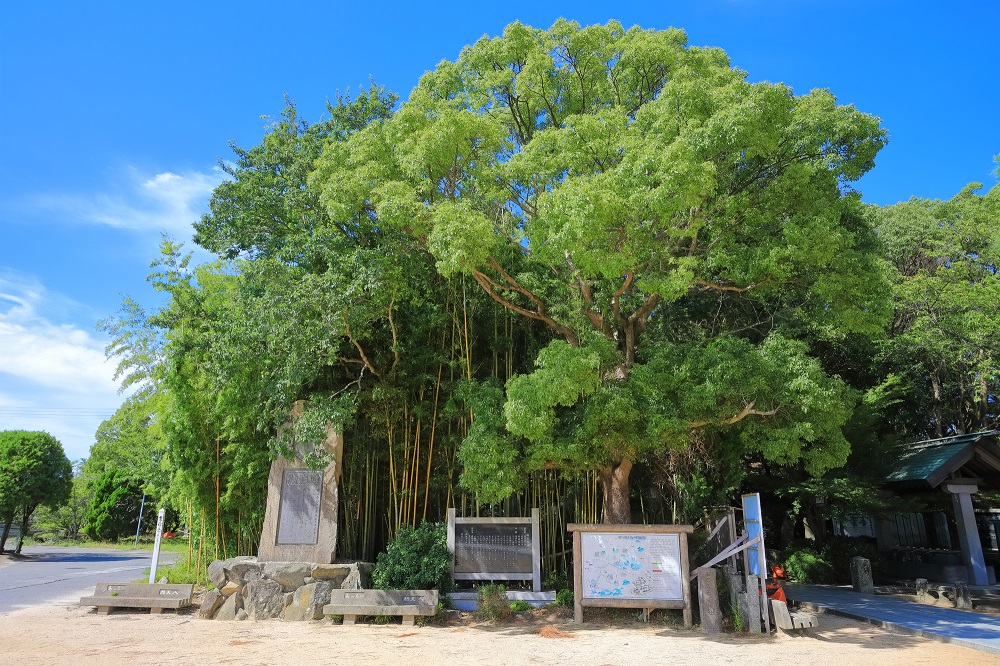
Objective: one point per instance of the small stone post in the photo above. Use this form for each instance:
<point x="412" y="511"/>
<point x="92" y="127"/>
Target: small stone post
<point x="751" y="606"/>
<point x="962" y="598"/>
<point x="708" y="601"/>
<point x="922" y="591"/>
<point x="861" y="575"/>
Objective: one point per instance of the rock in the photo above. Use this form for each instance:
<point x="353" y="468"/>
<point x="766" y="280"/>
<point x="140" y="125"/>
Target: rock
<point x="308" y="601"/>
<point x="241" y="614"/>
<point x="263" y="599"/>
<point x="244" y="572"/>
<point x="230" y="608"/>
<point x="229" y="588"/>
<point x="217" y="573"/>
<point x="335" y="572"/>
<point x="358" y="579"/>
<point x="209" y="604"/>
<point x="290" y="574"/>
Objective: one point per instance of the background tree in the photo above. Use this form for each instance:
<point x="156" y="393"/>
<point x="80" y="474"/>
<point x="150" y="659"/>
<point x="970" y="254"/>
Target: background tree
<point x="33" y="470"/>
<point x="676" y="228"/>
<point x="944" y="336"/>
<point x="114" y="508"/>
<point x="66" y="521"/>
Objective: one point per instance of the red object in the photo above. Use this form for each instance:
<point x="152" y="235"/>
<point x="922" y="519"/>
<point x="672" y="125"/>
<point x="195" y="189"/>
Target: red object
<point x="778" y="594"/>
<point x="169" y="535"/>
<point x="778" y="571"/>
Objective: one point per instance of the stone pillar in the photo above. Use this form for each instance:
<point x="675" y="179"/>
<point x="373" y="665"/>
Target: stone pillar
<point x="968" y="534"/>
<point x="300" y="518"/>
<point x="708" y="601"/>
<point x="861" y="575"/>
<point x="941" y="532"/>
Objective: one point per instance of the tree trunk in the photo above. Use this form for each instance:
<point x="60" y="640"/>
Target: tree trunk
<point x="24" y="528"/>
<point x="615" y="489"/>
<point x="6" y="529"/>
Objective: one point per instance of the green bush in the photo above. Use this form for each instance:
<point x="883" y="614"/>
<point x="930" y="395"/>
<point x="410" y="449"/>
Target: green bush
<point x="492" y="602"/>
<point x="564" y="597"/>
<point x="520" y="605"/>
<point x="807" y="565"/>
<point x="831" y="562"/>
<point x="417" y="559"/>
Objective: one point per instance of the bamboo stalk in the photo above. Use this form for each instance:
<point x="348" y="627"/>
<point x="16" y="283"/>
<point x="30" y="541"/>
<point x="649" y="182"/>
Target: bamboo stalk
<point x="430" y="444"/>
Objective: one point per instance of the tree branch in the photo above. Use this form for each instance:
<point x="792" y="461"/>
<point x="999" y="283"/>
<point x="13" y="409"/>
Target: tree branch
<point x="746" y="412"/>
<point x="361" y="351"/>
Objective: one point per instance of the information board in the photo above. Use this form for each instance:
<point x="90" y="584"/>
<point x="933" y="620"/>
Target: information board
<point x="493" y="548"/>
<point x="632" y="566"/>
<point x="488" y="548"/>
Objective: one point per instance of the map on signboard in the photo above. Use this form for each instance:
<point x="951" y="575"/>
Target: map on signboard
<point x="631" y="566"/>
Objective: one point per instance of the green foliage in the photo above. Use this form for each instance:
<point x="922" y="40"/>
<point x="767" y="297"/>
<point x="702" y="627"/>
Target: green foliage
<point x="492" y="604"/>
<point x="805" y="564"/>
<point x="564" y="597"/>
<point x="113" y="512"/>
<point x="831" y="562"/>
<point x="659" y="205"/>
<point x="520" y="606"/>
<point x="34" y="470"/>
<point x="943" y="257"/>
<point x="417" y="559"/>
<point x="66" y="521"/>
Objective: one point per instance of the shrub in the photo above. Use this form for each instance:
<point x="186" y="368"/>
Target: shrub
<point x="520" y="605"/>
<point x="493" y="604"/>
<point x="564" y="597"/>
<point x="807" y="565"/>
<point x="417" y="559"/>
<point x="831" y="562"/>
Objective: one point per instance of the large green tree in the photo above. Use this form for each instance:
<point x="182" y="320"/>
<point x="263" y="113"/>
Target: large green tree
<point x="676" y="227"/>
<point x="34" y="470"/>
<point x="943" y="338"/>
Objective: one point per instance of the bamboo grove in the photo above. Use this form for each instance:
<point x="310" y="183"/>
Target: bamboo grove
<point x="589" y="270"/>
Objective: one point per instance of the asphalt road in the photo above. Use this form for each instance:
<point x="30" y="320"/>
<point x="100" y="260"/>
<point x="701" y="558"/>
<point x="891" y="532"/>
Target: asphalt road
<point x="62" y="575"/>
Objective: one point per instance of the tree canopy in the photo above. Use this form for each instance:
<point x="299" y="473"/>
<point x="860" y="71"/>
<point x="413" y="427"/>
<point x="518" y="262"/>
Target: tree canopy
<point x="34" y="470"/>
<point x="677" y="228"/>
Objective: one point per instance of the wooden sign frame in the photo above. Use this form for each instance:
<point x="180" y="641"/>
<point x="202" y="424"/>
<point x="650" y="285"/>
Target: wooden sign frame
<point x="647" y="604"/>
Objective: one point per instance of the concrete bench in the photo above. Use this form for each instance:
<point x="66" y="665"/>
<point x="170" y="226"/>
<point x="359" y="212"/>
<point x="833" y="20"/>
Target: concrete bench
<point x="789" y="620"/>
<point x="405" y="603"/>
<point x="155" y="596"/>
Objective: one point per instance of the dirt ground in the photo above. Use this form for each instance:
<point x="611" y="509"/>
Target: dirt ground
<point x="65" y="633"/>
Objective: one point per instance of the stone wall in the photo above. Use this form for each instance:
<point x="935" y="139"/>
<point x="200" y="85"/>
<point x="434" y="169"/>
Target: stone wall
<point x="249" y="589"/>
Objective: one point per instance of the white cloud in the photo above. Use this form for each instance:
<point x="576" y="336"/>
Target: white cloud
<point x="164" y="202"/>
<point x="53" y="376"/>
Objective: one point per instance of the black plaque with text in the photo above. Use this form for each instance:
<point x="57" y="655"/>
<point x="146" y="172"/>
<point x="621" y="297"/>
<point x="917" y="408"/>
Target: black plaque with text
<point x="493" y="548"/>
<point x="298" y="515"/>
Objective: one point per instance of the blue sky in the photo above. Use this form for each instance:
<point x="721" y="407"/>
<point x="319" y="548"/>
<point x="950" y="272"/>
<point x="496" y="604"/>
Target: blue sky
<point x="113" y="116"/>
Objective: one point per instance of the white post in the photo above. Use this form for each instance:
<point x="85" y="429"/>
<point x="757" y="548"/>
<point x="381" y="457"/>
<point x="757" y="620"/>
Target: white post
<point x="139" y="526"/>
<point x="156" y="545"/>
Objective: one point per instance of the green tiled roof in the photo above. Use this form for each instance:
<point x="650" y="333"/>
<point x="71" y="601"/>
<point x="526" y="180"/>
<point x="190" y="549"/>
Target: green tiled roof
<point x="930" y="462"/>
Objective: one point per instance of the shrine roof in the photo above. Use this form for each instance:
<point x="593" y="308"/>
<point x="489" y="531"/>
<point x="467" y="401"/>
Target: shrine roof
<point x="927" y="464"/>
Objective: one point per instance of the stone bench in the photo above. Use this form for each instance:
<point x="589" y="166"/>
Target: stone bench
<point x="155" y="597"/>
<point x="789" y="620"/>
<point x="405" y="603"/>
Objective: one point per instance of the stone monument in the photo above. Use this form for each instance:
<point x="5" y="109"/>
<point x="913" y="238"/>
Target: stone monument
<point x="300" y="520"/>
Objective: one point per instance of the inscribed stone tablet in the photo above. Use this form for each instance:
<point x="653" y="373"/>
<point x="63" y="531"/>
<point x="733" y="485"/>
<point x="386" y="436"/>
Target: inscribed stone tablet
<point x="298" y="515"/>
<point x="493" y="548"/>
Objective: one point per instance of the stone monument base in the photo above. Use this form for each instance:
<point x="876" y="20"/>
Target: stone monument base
<point x="247" y="588"/>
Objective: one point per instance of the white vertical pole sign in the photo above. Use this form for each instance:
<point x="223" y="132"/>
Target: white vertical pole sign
<point x="156" y="545"/>
<point x="756" y="559"/>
